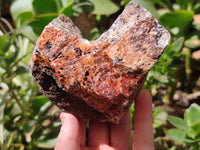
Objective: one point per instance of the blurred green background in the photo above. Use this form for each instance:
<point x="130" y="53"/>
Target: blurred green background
<point x="28" y="120"/>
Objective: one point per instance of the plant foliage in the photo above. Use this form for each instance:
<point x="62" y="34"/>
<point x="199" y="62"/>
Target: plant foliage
<point x="28" y="120"/>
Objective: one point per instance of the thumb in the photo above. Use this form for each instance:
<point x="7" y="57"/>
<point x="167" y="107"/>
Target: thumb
<point x="68" y="138"/>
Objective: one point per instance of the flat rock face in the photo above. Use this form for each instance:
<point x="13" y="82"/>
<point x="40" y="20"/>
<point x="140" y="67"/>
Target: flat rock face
<point x="98" y="79"/>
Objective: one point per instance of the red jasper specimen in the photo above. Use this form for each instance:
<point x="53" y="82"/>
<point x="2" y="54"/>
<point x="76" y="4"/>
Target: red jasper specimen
<point x="98" y="79"/>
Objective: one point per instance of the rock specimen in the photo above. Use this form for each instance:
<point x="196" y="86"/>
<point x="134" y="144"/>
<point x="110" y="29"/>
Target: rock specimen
<point x="98" y="79"/>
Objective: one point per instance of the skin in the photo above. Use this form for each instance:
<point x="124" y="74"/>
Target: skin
<point x="106" y="136"/>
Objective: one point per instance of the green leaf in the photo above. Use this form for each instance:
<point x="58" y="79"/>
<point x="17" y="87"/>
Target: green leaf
<point x="197" y="8"/>
<point x="158" y="76"/>
<point x="45" y="109"/>
<point x="40" y="22"/>
<point x="191" y="141"/>
<point x="3" y="44"/>
<point x="38" y="102"/>
<point x="29" y="128"/>
<point x="178" y="122"/>
<point x="104" y="7"/>
<point x="44" y="7"/>
<point x="177" y="45"/>
<point x="177" y="135"/>
<point x="166" y="3"/>
<point x="162" y="3"/>
<point x="94" y="34"/>
<point x="159" y="117"/>
<point x="11" y="57"/>
<point x="184" y="4"/>
<point x="154" y="1"/>
<point x="23" y="17"/>
<point x="192" y="116"/>
<point x="47" y="144"/>
<point x="2" y="64"/>
<point x="193" y="41"/>
<point x="10" y="124"/>
<point x="174" y="49"/>
<point x="124" y="2"/>
<point x="19" y="6"/>
<point x="21" y="70"/>
<point x="196" y="128"/>
<point x="27" y="31"/>
<point x="149" y="6"/>
<point x="58" y="5"/>
<point x="179" y="19"/>
<point x="67" y="2"/>
<point x="67" y="10"/>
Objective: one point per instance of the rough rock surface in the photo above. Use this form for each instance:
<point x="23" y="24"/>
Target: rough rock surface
<point x="98" y="79"/>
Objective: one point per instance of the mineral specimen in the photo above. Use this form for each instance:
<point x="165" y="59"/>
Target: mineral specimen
<point x="98" y="79"/>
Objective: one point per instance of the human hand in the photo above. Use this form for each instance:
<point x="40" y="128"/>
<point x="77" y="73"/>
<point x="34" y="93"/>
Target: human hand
<point x="106" y="136"/>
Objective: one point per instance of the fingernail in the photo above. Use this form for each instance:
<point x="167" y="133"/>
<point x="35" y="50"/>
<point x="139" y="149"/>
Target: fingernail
<point x="143" y="92"/>
<point x="64" y="117"/>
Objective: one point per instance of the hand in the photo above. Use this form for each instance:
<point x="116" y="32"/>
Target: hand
<point x="105" y="136"/>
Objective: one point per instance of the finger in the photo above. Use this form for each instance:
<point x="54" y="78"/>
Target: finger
<point x="143" y="126"/>
<point x="121" y="133"/>
<point x="100" y="147"/>
<point x="98" y="133"/>
<point x="69" y="136"/>
<point x="82" y="123"/>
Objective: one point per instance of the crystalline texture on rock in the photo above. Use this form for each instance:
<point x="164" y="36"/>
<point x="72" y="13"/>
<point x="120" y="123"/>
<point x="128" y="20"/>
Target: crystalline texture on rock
<point x="98" y="79"/>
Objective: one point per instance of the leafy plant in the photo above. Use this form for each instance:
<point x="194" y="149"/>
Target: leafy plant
<point x="27" y="118"/>
<point x="187" y="130"/>
<point x="30" y="17"/>
<point x="174" y="66"/>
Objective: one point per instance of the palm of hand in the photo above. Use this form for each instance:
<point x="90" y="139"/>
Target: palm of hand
<point x="105" y="136"/>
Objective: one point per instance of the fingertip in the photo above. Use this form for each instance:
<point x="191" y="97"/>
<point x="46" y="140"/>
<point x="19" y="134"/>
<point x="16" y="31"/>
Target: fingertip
<point x="69" y="136"/>
<point x="64" y="117"/>
<point x="143" y="104"/>
<point x="143" y="94"/>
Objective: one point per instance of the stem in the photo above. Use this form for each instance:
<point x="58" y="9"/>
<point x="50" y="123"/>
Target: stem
<point x="167" y="99"/>
<point x="82" y="4"/>
<point x="10" y="67"/>
<point x="17" y="100"/>
<point x="3" y="29"/>
<point x="2" y="106"/>
<point x="18" y="60"/>
<point x="10" y="140"/>
<point x="7" y="24"/>
<point x="167" y="4"/>
<point x="21" y="146"/>
<point x="188" y="70"/>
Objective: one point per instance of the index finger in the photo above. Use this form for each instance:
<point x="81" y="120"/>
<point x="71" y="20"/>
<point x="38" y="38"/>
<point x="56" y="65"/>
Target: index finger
<point x="143" y="123"/>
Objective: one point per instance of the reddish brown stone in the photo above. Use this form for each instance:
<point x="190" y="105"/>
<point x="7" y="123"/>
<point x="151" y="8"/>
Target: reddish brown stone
<point x="98" y="79"/>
